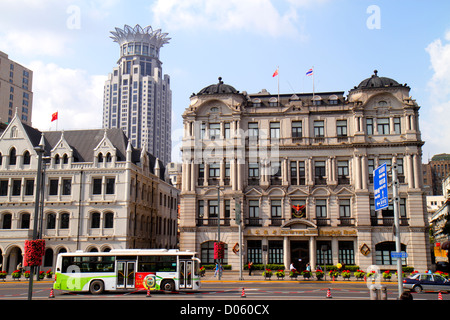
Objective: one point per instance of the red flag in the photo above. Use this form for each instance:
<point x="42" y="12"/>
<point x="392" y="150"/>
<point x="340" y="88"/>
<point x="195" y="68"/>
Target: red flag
<point x="55" y="116"/>
<point x="275" y="73"/>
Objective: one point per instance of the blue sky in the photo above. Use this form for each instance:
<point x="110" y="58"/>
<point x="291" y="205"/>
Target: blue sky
<point x="66" y="43"/>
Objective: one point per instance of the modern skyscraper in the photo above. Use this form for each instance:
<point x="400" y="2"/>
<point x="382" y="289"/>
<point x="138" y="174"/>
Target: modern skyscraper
<point x="137" y="97"/>
<point x="15" y="90"/>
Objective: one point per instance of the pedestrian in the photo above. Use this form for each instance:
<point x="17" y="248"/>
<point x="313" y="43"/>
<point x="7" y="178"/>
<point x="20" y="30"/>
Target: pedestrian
<point x="217" y="268"/>
<point x="406" y="295"/>
<point x="250" y="268"/>
<point x="308" y="267"/>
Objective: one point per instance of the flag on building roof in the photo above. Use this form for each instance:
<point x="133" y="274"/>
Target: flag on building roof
<point x="310" y="72"/>
<point x="275" y="73"/>
<point x="55" y="116"/>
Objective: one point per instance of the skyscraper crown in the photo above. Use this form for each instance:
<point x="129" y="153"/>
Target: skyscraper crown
<point x="139" y="34"/>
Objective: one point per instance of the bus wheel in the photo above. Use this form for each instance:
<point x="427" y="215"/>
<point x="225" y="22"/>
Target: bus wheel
<point x="97" y="287"/>
<point x="168" y="285"/>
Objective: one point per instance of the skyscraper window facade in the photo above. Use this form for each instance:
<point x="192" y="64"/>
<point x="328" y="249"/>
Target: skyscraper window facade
<point x="137" y="96"/>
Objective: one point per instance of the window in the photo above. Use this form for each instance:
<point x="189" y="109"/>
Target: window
<point x="319" y="129"/>
<point x="253" y="171"/>
<point x="109" y="220"/>
<point x="319" y="169"/>
<point x="346" y="252"/>
<point x="296" y="129"/>
<point x="276" y="252"/>
<point x="3" y="187"/>
<point x="29" y="187"/>
<point x="274" y="130"/>
<point x="321" y="208"/>
<point x="97" y="186"/>
<point x="294" y="180"/>
<point x="383" y="253"/>
<point x="324" y="253"/>
<point x="254" y="251"/>
<point x="214" y="131"/>
<point x="12" y="157"/>
<point x="344" y="208"/>
<point x="253" y="131"/>
<point x="25" y="221"/>
<point x="275" y="212"/>
<point x="213" y="209"/>
<point x="369" y="126"/>
<point x="383" y="126"/>
<point x="226" y="128"/>
<point x="200" y="209"/>
<point x="341" y="128"/>
<point x="53" y="188"/>
<point x="214" y="170"/>
<point x="67" y="187"/>
<point x="51" y="221"/>
<point x="26" y="158"/>
<point x="64" y="220"/>
<point x="397" y="126"/>
<point x="253" y="209"/>
<point x="110" y="184"/>
<point x="7" y="221"/>
<point x="95" y="220"/>
<point x="16" y="187"/>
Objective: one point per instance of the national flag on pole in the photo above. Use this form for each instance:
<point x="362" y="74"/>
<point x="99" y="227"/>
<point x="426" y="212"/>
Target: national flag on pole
<point x="55" y="116"/>
<point x="275" y="73"/>
<point x="310" y="72"/>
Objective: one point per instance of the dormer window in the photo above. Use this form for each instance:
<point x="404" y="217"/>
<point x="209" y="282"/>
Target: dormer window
<point x="100" y="158"/>
<point x="12" y="157"/>
<point x="26" y="158"/>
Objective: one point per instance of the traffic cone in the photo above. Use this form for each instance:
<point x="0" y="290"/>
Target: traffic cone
<point x="440" y="296"/>
<point x="329" y="293"/>
<point x="148" y="293"/>
<point x="52" y="295"/>
<point x="243" y="294"/>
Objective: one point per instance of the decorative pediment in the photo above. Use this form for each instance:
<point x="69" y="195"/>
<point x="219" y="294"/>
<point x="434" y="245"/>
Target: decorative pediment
<point x="299" y="224"/>
<point x="62" y="147"/>
<point x="104" y="147"/>
<point x="321" y="191"/>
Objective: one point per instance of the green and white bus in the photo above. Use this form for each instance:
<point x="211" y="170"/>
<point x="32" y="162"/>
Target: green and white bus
<point x="128" y="269"/>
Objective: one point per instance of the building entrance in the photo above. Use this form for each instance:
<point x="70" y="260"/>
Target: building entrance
<point x="300" y="254"/>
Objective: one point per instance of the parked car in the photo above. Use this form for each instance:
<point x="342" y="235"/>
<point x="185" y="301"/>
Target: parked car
<point x="426" y="282"/>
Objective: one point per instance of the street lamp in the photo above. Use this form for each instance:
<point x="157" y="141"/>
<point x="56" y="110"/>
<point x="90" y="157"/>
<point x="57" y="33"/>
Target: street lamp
<point x="40" y="151"/>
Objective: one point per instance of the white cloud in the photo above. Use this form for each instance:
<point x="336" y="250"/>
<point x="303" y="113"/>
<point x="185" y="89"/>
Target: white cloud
<point x="254" y="16"/>
<point x="435" y="129"/>
<point x="76" y="95"/>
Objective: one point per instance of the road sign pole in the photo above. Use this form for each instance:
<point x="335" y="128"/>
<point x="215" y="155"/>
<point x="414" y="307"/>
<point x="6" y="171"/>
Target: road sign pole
<point x="398" y="246"/>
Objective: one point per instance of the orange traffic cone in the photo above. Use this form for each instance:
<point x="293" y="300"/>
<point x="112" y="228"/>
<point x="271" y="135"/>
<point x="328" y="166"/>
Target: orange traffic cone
<point x="440" y="296"/>
<point x="52" y="295"/>
<point x="329" y="293"/>
<point x="148" y="293"/>
<point x="243" y="294"/>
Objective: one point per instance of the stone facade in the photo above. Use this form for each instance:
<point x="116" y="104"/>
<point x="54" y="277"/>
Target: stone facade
<point x="300" y="167"/>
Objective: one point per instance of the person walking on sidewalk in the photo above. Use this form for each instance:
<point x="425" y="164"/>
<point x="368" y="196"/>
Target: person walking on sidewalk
<point x="217" y="268"/>
<point x="250" y="268"/>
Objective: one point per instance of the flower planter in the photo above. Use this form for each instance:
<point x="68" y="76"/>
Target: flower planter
<point x="267" y="274"/>
<point x="280" y="274"/>
<point x="3" y="275"/>
<point x="16" y="275"/>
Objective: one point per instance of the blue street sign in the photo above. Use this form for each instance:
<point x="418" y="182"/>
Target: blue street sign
<point x="402" y="255"/>
<point x="380" y="186"/>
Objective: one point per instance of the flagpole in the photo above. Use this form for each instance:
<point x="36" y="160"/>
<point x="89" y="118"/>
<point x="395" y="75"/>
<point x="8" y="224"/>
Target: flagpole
<point x="278" y="68"/>
<point x="313" y="82"/>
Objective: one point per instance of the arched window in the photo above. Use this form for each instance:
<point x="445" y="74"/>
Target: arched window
<point x="95" y="220"/>
<point x="48" y="258"/>
<point x="383" y="252"/>
<point x="51" y="221"/>
<point x="65" y="159"/>
<point x="108" y="157"/>
<point x="100" y="157"/>
<point x="12" y="157"/>
<point x="109" y="220"/>
<point x="207" y="253"/>
<point x="25" y="221"/>
<point x="64" y="220"/>
<point x="14" y="132"/>
<point x="26" y="157"/>
<point x="57" y="160"/>
<point x="6" y="221"/>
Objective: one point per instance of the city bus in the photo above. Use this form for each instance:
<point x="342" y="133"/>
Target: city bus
<point x="128" y="269"/>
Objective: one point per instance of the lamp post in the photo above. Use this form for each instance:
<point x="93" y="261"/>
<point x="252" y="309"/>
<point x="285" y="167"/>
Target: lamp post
<point x="40" y="151"/>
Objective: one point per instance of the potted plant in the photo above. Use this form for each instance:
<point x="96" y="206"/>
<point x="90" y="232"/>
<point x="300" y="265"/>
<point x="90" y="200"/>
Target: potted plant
<point x="3" y="275"/>
<point x="267" y="273"/>
<point x="41" y="274"/>
<point x="16" y="274"/>
<point x="345" y="274"/>
<point x="49" y="273"/>
<point x="280" y="274"/>
<point x="333" y="274"/>
<point x="359" y="274"/>
<point x="319" y="274"/>
<point x="387" y="275"/>
<point x="26" y="274"/>
<point x="293" y="274"/>
<point x="306" y="274"/>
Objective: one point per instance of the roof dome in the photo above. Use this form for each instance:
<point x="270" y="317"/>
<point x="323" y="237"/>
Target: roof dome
<point x="218" y="88"/>
<point x="377" y="82"/>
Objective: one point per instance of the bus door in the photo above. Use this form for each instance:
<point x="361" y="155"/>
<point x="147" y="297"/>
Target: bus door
<point x="186" y="271"/>
<point x="126" y="271"/>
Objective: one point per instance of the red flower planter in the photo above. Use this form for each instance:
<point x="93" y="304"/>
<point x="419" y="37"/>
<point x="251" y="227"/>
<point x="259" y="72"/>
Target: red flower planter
<point x="34" y="251"/>
<point x="219" y="250"/>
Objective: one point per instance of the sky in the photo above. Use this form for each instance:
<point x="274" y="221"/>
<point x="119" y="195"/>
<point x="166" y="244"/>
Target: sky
<point x="67" y="45"/>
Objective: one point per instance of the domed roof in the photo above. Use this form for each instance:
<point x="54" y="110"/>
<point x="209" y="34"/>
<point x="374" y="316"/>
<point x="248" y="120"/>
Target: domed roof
<point x="377" y="82"/>
<point x="218" y="88"/>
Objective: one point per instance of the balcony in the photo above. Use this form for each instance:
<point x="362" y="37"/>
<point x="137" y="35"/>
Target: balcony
<point x="322" y="222"/>
<point x="253" y="222"/>
<point x="387" y="221"/>
<point x="212" y="222"/>
<point x="346" y="221"/>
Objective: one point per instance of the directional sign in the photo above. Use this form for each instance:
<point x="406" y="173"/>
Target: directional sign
<point x="380" y="186"/>
<point x="402" y="255"/>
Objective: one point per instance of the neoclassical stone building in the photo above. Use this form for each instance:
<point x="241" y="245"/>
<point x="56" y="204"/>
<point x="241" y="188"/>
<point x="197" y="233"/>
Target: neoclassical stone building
<point x="100" y="193"/>
<point x="301" y="168"/>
